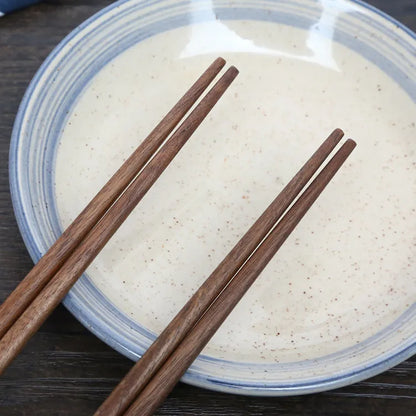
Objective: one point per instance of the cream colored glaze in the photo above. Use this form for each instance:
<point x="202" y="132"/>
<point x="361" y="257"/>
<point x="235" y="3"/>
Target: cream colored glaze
<point x="348" y="269"/>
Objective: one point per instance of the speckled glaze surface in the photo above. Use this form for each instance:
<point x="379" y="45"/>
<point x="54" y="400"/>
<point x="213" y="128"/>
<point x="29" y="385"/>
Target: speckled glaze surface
<point x="324" y="313"/>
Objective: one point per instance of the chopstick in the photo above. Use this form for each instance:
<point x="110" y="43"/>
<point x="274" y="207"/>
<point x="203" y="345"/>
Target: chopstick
<point x="174" y="333"/>
<point x="177" y="363"/>
<point x="54" y="258"/>
<point x="141" y="373"/>
<point x="90" y="245"/>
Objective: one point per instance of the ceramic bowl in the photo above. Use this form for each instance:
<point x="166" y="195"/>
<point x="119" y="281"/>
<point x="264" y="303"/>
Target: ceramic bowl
<point x="60" y="81"/>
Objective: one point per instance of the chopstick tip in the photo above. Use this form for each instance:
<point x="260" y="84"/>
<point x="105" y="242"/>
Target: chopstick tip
<point x="338" y="132"/>
<point x="232" y="71"/>
<point x="219" y="62"/>
<point x="347" y="148"/>
<point x="351" y="143"/>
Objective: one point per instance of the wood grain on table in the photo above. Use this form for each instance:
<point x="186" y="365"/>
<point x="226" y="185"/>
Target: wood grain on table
<point x="65" y="370"/>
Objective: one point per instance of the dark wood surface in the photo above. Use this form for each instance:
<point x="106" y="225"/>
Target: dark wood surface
<point x="64" y="370"/>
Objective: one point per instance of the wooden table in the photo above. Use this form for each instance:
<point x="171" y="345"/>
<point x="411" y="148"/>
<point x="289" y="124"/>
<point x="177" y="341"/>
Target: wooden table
<point x="65" y="370"/>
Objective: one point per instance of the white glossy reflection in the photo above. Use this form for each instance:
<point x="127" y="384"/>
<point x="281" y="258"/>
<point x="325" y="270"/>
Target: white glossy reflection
<point x="215" y="37"/>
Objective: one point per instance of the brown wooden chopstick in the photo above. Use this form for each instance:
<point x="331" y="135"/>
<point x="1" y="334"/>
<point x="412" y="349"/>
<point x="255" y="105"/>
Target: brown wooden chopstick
<point x="175" y="366"/>
<point x="53" y="259"/>
<point x="50" y="296"/>
<point x="140" y="374"/>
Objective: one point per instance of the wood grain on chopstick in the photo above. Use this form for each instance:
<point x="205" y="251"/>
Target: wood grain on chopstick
<point x="50" y="263"/>
<point x="169" y="339"/>
<point x="50" y="296"/>
<point x="175" y="366"/>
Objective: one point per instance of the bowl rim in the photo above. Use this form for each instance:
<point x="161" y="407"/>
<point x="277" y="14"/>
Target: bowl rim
<point x="193" y="378"/>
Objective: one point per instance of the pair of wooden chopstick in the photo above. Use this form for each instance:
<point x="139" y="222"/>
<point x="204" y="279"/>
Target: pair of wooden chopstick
<point x="152" y="378"/>
<point x="23" y="312"/>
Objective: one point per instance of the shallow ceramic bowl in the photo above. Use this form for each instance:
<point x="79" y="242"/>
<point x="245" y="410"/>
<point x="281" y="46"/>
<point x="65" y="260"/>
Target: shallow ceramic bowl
<point x="60" y="81"/>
